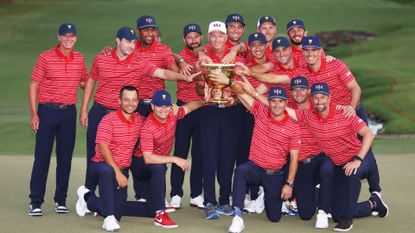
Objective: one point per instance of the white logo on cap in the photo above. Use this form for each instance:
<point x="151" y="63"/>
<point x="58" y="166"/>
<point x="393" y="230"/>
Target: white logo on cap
<point x="192" y="27"/>
<point x="294" y="22"/>
<point x="297" y="81"/>
<point x="132" y="31"/>
<point x="279" y="41"/>
<point x="255" y="35"/>
<point x="319" y="87"/>
<point x="236" y="17"/>
<point x="277" y="91"/>
<point x="163" y="96"/>
<point x="149" y="20"/>
<point x="310" y="41"/>
<point x="69" y="26"/>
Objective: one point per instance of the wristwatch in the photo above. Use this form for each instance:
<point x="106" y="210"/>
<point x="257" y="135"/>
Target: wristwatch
<point x="289" y="184"/>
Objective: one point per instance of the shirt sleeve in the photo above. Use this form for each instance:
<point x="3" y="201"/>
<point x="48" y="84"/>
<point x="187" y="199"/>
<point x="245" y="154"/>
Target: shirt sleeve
<point x="356" y="124"/>
<point x="256" y="108"/>
<point x="295" y="141"/>
<point x="343" y="72"/>
<point x="84" y="71"/>
<point x="105" y="131"/>
<point x="39" y="69"/>
<point x="145" y="67"/>
<point x="146" y="138"/>
<point x="95" y="68"/>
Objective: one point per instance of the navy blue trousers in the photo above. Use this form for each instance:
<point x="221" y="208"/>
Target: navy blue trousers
<point x="95" y="115"/>
<point x="112" y="199"/>
<point x="219" y="130"/>
<point x="244" y="144"/>
<point x="250" y="173"/>
<point x="152" y="179"/>
<point x="60" y="123"/>
<point x="187" y="129"/>
<point x="144" y="109"/>
<point x="346" y="190"/>
<point x="318" y="169"/>
<point x="372" y="175"/>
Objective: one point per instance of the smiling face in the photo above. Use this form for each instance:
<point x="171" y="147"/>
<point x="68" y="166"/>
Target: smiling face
<point x="235" y="31"/>
<point x="67" y="41"/>
<point x="217" y="39"/>
<point x="283" y="54"/>
<point x="277" y="106"/>
<point x="258" y="49"/>
<point x="296" y="34"/>
<point x="161" y="112"/>
<point x="193" y="40"/>
<point x="300" y="94"/>
<point x="126" y="47"/>
<point x="311" y="55"/>
<point x="269" y="30"/>
<point x="321" y="102"/>
<point x="129" y="101"/>
<point x="147" y="35"/>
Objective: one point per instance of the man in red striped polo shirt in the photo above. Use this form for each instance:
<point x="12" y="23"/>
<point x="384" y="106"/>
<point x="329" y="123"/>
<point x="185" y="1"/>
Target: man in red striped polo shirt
<point x="336" y="134"/>
<point x="275" y="135"/>
<point x="188" y="129"/>
<point x="156" y="143"/>
<point x="52" y="97"/>
<point x="122" y="67"/>
<point x="312" y="164"/>
<point x="219" y="126"/>
<point x="116" y="138"/>
<point x="296" y="31"/>
<point x="346" y="91"/>
<point x="157" y="54"/>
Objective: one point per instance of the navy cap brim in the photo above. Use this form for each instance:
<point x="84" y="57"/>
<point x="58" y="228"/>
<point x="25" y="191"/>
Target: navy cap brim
<point x="279" y="97"/>
<point x="148" y="26"/>
<point x="312" y="46"/>
<point x="320" y="92"/>
<point x="299" y="86"/>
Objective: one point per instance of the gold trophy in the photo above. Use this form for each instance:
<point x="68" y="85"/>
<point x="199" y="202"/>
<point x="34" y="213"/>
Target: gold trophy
<point x="217" y="89"/>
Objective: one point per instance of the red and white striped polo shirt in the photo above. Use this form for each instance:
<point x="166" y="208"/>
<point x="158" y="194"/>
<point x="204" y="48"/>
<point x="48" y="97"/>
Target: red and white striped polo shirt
<point x="335" y="73"/>
<point x="336" y="135"/>
<point x="187" y="91"/>
<point x="280" y="70"/>
<point x="59" y="76"/>
<point x="309" y="145"/>
<point x="158" y="137"/>
<point x="250" y="61"/>
<point x="112" y="74"/>
<point x="272" y="140"/>
<point x="159" y="55"/>
<point x="120" y="135"/>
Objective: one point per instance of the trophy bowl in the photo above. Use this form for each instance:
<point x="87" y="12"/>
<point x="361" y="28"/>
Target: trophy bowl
<point x="217" y="89"/>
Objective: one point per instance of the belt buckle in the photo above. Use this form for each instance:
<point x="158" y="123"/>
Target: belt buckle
<point x="61" y="106"/>
<point x="307" y="161"/>
<point x="270" y="172"/>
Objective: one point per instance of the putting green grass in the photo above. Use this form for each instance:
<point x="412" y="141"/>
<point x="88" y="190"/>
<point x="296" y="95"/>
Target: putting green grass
<point x="396" y="178"/>
<point x="30" y="26"/>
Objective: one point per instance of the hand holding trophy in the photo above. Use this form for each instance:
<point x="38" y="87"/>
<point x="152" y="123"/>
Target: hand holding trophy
<point x="218" y="71"/>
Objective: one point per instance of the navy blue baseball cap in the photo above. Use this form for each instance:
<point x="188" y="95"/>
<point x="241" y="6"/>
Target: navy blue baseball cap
<point x="311" y="42"/>
<point x="126" y="33"/>
<point x="234" y="18"/>
<point x="146" y="21"/>
<point x="295" y="22"/>
<point x="320" y="88"/>
<point x="277" y="92"/>
<point x="280" y="41"/>
<point x="67" y="28"/>
<point x="264" y="19"/>
<point x="299" y="82"/>
<point x="161" y="98"/>
<point x="257" y="36"/>
<point x="192" y="27"/>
